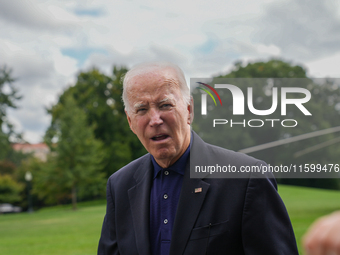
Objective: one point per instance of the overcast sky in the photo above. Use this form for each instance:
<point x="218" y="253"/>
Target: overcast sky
<point x="47" y="42"/>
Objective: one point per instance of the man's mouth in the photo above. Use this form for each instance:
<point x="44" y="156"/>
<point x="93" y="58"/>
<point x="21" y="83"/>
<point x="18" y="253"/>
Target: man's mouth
<point x="159" y="137"/>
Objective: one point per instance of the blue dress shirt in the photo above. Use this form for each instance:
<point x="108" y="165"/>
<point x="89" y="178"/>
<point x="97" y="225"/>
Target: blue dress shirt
<point x="164" y="196"/>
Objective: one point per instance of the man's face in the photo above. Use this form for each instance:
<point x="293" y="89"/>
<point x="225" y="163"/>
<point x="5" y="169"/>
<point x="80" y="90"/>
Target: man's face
<point x="158" y="115"/>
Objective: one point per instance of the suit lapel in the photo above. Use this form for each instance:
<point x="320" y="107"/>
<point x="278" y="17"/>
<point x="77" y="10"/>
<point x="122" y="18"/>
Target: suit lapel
<point x="190" y="202"/>
<point x="188" y="209"/>
<point x="139" y="196"/>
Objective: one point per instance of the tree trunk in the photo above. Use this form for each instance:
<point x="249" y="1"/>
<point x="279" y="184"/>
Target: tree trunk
<point x="74" y="198"/>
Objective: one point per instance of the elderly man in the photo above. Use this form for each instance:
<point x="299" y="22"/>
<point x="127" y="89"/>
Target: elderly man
<point x="154" y="207"/>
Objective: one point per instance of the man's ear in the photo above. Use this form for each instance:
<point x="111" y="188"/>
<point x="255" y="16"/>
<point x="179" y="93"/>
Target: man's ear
<point x="191" y="111"/>
<point x="129" y="120"/>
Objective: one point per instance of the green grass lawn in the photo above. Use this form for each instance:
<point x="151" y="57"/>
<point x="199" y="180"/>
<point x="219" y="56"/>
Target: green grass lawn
<point x="59" y="230"/>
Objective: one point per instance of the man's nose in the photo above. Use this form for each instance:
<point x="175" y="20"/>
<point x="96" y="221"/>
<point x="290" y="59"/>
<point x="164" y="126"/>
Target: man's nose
<point x="155" y="117"/>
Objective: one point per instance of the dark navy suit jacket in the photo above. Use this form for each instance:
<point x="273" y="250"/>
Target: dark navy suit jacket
<point x="228" y="216"/>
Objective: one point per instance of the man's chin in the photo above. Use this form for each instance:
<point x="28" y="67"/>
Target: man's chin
<point x="165" y="156"/>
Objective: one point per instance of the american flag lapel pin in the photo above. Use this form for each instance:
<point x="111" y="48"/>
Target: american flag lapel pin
<point x="198" y="190"/>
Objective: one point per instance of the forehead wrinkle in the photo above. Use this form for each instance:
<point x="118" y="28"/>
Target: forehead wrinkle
<point x="171" y="81"/>
<point x="135" y="85"/>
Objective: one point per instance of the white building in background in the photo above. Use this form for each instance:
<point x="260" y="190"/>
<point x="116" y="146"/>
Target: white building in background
<point x="39" y="150"/>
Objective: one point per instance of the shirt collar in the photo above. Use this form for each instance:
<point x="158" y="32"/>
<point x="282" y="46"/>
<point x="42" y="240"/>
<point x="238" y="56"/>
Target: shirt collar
<point x="178" y="166"/>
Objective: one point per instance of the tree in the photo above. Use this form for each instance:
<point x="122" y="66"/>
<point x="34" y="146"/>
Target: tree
<point x="77" y="156"/>
<point x="7" y="167"/>
<point x="99" y="96"/>
<point x="47" y="182"/>
<point x="8" y="98"/>
<point x="274" y="68"/>
<point x="9" y="189"/>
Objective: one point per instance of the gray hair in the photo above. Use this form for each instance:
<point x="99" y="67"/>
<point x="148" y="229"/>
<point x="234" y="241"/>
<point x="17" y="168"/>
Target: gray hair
<point x="147" y="67"/>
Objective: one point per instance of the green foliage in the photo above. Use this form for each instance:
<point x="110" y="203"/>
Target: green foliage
<point x="9" y="189"/>
<point x="47" y="182"/>
<point x="75" y="163"/>
<point x="274" y="68"/>
<point x="7" y="167"/>
<point x="4" y="145"/>
<point x="99" y="96"/>
<point x="8" y="98"/>
<point x="16" y="157"/>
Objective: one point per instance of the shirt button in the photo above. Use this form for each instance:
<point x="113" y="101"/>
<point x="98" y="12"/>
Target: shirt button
<point x="165" y="221"/>
<point x="166" y="172"/>
<point x="165" y="196"/>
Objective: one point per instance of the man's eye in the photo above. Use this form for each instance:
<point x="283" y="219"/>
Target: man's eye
<point x="165" y="105"/>
<point x="141" y="110"/>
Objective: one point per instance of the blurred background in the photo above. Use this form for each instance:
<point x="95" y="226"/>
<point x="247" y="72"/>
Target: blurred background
<point x="63" y="128"/>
